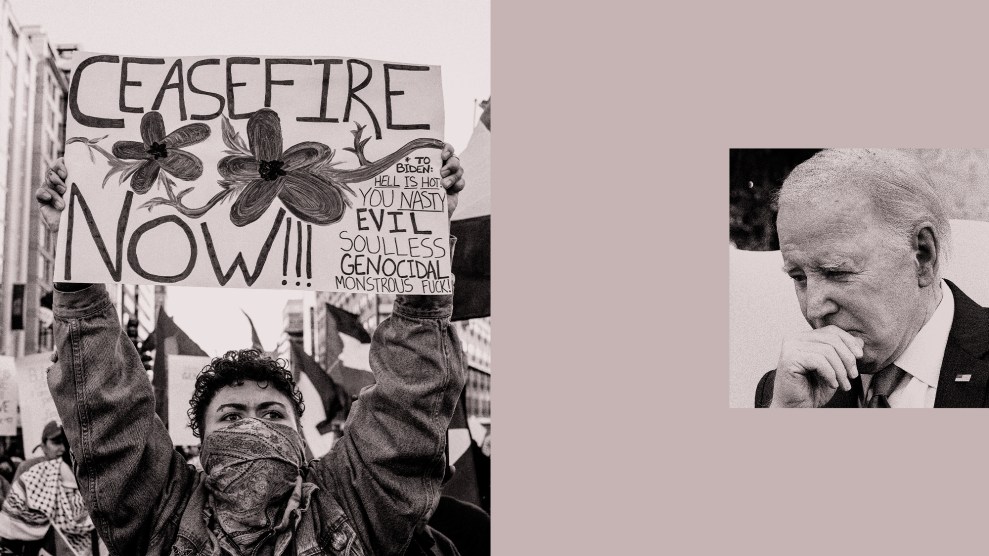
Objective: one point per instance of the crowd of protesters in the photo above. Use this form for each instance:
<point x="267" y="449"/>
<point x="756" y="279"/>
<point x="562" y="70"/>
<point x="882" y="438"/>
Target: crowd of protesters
<point x="256" y="492"/>
<point x="43" y="511"/>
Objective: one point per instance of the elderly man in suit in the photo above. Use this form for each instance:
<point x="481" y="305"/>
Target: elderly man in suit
<point x="864" y="236"/>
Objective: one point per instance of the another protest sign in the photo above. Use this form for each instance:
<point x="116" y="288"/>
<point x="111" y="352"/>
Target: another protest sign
<point x="317" y="173"/>
<point x="38" y="407"/>
<point x="8" y="397"/>
<point x="182" y="373"/>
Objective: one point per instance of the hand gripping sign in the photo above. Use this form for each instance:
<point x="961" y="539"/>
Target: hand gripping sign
<point x="285" y="173"/>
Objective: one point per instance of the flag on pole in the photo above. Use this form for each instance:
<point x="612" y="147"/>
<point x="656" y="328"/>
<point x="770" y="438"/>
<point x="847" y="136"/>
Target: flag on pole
<point x="255" y="339"/>
<point x="167" y="338"/>
<point x="313" y="382"/>
<point x="334" y="399"/>
<point x="471" y="225"/>
<point x="351" y="380"/>
<point x="464" y="485"/>
<point x="348" y="352"/>
<point x="348" y="323"/>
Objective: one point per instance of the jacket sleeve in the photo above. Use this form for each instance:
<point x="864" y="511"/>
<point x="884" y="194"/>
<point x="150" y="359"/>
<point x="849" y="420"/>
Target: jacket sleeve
<point x="387" y="469"/>
<point x="128" y="471"/>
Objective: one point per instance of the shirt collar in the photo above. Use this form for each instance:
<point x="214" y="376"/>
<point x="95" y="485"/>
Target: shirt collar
<point x="922" y="358"/>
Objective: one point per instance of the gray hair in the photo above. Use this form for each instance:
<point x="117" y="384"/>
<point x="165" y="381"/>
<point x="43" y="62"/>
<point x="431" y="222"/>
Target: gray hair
<point x="896" y="182"/>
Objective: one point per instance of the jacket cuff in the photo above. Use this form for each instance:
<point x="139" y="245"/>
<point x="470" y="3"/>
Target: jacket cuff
<point x="428" y="306"/>
<point x="80" y="303"/>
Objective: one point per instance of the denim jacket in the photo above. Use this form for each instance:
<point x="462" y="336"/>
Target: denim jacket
<point x="378" y="484"/>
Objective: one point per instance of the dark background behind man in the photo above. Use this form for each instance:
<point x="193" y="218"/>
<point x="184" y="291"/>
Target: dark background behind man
<point x="959" y="175"/>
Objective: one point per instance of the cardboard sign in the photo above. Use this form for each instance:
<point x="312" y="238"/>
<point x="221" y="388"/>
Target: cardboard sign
<point x="37" y="405"/>
<point x="182" y="373"/>
<point x="317" y="173"/>
<point x="8" y="397"/>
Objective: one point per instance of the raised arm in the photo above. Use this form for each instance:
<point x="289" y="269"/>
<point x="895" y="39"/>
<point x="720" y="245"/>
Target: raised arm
<point x="127" y="469"/>
<point x="387" y="469"/>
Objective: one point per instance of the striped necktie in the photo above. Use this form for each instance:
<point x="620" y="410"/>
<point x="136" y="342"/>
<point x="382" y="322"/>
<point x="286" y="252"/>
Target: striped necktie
<point x="882" y="385"/>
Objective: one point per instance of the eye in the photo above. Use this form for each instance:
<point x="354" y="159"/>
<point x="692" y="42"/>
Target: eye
<point x="798" y="278"/>
<point x="273" y="415"/>
<point x="836" y="274"/>
<point x="230" y="417"/>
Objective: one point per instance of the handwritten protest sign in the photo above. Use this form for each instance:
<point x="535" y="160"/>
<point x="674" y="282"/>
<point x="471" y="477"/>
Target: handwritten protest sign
<point x="37" y="405"/>
<point x="8" y="397"/>
<point x="182" y="373"/>
<point x="290" y="173"/>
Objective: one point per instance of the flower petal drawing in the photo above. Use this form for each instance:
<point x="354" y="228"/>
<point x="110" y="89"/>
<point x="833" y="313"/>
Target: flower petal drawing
<point x="160" y="152"/>
<point x="286" y="175"/>
<point x="310" y="198"/>
<point x="241" y="168"/>
<point x="307" y="153"/>
<point x="145" y="177"/>
<point x="264" y="135"/>
<point x="152" y="128"/>
<point x="130" y="150"/>
<point x="187" y="135"/>
<point x="253" y="202"/>
<point x="181" y="165"/>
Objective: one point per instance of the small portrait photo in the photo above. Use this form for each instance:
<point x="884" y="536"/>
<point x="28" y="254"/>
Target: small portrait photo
<point x="859" y="278"/>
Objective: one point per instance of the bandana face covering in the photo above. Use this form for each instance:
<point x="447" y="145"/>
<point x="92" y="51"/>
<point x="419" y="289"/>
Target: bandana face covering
<point x="252" y="467"/>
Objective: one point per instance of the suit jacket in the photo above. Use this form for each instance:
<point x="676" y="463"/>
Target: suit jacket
<point x="967" y="352"/>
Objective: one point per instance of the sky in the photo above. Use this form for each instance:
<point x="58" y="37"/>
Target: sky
<point x="454" y="35"/>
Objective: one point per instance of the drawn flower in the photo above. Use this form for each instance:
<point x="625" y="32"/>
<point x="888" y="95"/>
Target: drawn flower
<point x="289" y="175"/>
<point x="162" y="152"/>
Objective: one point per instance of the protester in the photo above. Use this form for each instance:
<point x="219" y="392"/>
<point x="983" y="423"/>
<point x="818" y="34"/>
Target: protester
<point x="43" y="508"/>
<point x="191" y="455"/>
<point x="7" y="468"/>
<point x="13" y="455"/>
<point x="4" y="488"/>
<point x="486" y="445"/>
<point x="45" y="511"/>
<point x="864" y="235"/>
<point x="52" y="446"/>
<point x="257" y="494"/>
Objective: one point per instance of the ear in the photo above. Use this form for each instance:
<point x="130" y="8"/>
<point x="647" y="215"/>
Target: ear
<point x="925" y="250"/>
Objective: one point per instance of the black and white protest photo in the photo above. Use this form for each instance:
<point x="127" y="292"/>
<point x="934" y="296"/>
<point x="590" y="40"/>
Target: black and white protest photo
<point x="245" y="287"/>
<point x="858" y="278"/>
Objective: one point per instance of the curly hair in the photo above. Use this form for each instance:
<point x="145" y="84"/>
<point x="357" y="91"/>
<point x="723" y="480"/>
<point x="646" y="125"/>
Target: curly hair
<point x="234" y="368"/>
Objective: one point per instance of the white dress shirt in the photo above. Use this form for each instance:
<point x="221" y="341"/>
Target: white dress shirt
<point x="921" y="362"/>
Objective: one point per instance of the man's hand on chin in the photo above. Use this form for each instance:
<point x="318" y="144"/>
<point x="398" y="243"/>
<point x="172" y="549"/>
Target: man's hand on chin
<point x="813" y="365"/>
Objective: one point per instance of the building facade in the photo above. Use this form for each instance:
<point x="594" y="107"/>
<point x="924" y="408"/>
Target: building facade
<point x="293" y="327"/>
<point x="369" y="308"/>
<point x="475" y="336"/>
<point x="19" y="295"/>
<point x="47" y="144"/>
<point x="34" y="78"/>
<point x="138" y="302"/>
